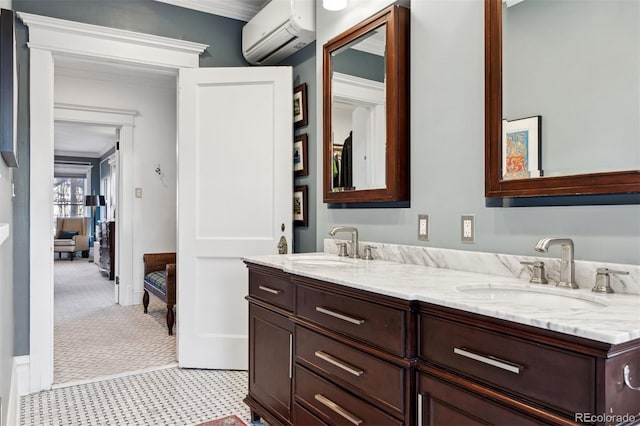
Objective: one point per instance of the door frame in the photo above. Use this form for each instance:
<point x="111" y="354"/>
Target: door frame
<point x="48" y="38"/>
<point x="123" y="121"/>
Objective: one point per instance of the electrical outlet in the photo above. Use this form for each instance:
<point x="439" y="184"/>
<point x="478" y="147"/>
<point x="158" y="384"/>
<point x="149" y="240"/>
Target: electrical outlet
<point x="423" y="227"/>
<point x="468" y="228"/>
<point x="138" y="192"/>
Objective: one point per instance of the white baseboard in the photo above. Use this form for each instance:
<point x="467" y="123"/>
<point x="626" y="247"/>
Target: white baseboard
<point x="19" y="387"/>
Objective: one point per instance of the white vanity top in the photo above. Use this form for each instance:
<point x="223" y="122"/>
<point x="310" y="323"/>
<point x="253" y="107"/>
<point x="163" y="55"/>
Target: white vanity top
<point x="610" y="318"/>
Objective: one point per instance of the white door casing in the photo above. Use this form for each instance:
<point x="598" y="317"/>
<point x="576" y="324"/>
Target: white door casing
<point x="234" y="192"/>
<point x="49" y="37"/>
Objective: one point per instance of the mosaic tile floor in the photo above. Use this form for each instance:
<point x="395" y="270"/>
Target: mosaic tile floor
<point x="171" y="396"/>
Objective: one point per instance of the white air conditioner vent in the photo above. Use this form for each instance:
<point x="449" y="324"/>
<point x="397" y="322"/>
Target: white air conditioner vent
<point x="279" y="30"/>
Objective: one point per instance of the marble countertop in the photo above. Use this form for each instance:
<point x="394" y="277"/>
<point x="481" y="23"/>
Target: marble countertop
<point x="609" y="318"/>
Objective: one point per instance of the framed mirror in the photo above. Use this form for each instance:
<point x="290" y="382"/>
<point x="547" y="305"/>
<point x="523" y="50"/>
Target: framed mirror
<point x="562" y="98"/>
<point x="366" y="110"/>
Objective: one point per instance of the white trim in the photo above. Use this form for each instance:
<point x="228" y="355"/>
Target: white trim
<point x="40" y="214"/>
<point x="19" y="386"/>
<point x="113" y="376"/>
<point x="234" y="9"/>
<point x="46" y="37"/>
<point x="357" y="90"/>
<point x="61" y="168"/>
<point x="4" y="232"/>
<point x="93" y="114"/>
<point x="83" y="153"/>
<point x="69" y="37"/>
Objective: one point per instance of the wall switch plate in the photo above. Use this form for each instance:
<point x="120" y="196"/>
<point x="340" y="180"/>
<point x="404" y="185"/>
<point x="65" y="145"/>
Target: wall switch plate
<point x="138" y="192"/>
<point x="423" y="227"/>
<point x="468" y="228"/>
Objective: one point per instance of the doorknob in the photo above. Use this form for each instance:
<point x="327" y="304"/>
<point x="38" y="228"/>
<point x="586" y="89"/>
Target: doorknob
<point x="283" y="247"/>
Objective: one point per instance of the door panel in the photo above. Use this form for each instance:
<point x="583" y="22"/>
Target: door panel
<point x="234" y="192"/>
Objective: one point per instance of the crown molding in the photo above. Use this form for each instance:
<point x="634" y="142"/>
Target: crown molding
<point x="242" y="11"/>
<point x="68" y="37"/>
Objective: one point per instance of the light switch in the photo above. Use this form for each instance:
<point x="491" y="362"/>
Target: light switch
<point x="138" y="192"/>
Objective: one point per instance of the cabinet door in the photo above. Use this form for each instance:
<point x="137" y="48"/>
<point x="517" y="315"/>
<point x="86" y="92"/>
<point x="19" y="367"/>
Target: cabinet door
<point x="440" y="403"/>
<point x="270" y="361"/>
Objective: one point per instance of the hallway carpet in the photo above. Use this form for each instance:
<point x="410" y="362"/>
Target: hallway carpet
<point x="94" y="337"/>
<point x="171" y="396"/>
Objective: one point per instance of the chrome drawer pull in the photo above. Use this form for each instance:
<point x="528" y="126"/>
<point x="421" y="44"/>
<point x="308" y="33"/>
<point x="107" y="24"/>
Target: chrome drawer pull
<point x="338" y="363"/>
<point x="338" y="315"/>
<point x="491" y="360"/>
<point x="291" y="356"/>
<point x="337" y="409"/>
<point x="269" y="290"/>
<point x="627" y="378"/>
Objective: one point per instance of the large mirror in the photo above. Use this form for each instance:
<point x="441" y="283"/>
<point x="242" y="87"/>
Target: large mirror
<point x="562" y="97"/>
<point x="365" y="111"/>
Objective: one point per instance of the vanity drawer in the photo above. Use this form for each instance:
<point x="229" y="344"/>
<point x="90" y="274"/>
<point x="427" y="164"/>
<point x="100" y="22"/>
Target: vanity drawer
<point x="378" y="325"/>
<point x="303" y="417"/>
<point x="272" y="289"/>
<point x="373" y="378"/>
<point x="335" y="406"/>
<point x="556" y="378"/>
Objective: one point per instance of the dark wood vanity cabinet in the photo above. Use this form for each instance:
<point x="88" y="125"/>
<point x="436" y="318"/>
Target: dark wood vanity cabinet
<point x="270" y="346"/>
<point x="326" y="354"/>
<point x="475" y="369"/>
<point x="353" y="355"/>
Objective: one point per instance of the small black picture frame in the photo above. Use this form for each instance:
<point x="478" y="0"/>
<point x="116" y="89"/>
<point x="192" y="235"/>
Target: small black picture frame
<point x="301" y="155"/>
<point x="300" y="206"/>
<point x="300" y="105"/>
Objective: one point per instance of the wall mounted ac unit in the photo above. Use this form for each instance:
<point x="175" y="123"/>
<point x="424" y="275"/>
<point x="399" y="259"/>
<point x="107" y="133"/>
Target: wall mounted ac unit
<point x="279" y="30"/>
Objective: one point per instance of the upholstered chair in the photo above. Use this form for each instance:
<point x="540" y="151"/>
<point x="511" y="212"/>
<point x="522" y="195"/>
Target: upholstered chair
<point x="72" y="235"/>
<point x="160" y="280"/>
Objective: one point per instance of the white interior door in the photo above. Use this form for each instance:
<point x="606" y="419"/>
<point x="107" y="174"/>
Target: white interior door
<point x="235" y="166"/>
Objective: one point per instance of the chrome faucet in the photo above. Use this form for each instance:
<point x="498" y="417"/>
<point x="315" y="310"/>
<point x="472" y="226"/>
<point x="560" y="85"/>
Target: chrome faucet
<point x="567" y="267"/>
<point x="354" y="238"/>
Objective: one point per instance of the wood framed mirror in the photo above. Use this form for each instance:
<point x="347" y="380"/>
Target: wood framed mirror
<point x="594" y="90"/>
<point x="366" y="111"/>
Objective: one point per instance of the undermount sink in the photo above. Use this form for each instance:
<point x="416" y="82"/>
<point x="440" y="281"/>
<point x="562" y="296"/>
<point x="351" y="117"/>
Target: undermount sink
<point x="321" y="260"/>
<point x="549" y="298"/>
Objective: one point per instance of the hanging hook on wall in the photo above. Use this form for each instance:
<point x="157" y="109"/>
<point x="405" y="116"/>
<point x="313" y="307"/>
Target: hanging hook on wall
<point x="160" y="173"/>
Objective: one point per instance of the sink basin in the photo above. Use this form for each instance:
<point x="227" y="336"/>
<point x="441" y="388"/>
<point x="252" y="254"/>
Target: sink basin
<point x="530" y="296"/>
<point x="321" y="261"/>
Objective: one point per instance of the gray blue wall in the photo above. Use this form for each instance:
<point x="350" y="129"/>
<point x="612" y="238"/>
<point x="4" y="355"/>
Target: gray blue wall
<point x="360" y="64"/>
<point x="447" y="137"/>
<point x="447" y="151"/>
<point x="588" y="97"/>
<point x="304" y="71"/>
<point x="223" y="35"/>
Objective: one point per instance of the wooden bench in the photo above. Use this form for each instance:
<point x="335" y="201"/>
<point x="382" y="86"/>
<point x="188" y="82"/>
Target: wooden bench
<point x="160" y="280"/>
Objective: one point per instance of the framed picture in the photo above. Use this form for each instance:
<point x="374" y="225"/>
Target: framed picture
<point x="300" y="207"/>
<point x="8" y="89"/>
<point x="521" y="149"/>
<point x="300" y="105"/>
<point x="300" y="160"/>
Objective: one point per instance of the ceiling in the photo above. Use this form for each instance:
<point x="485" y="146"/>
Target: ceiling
<point x="242" y="10"/>
<point x="79" y="140"/>
<point x="72" y="139"/>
